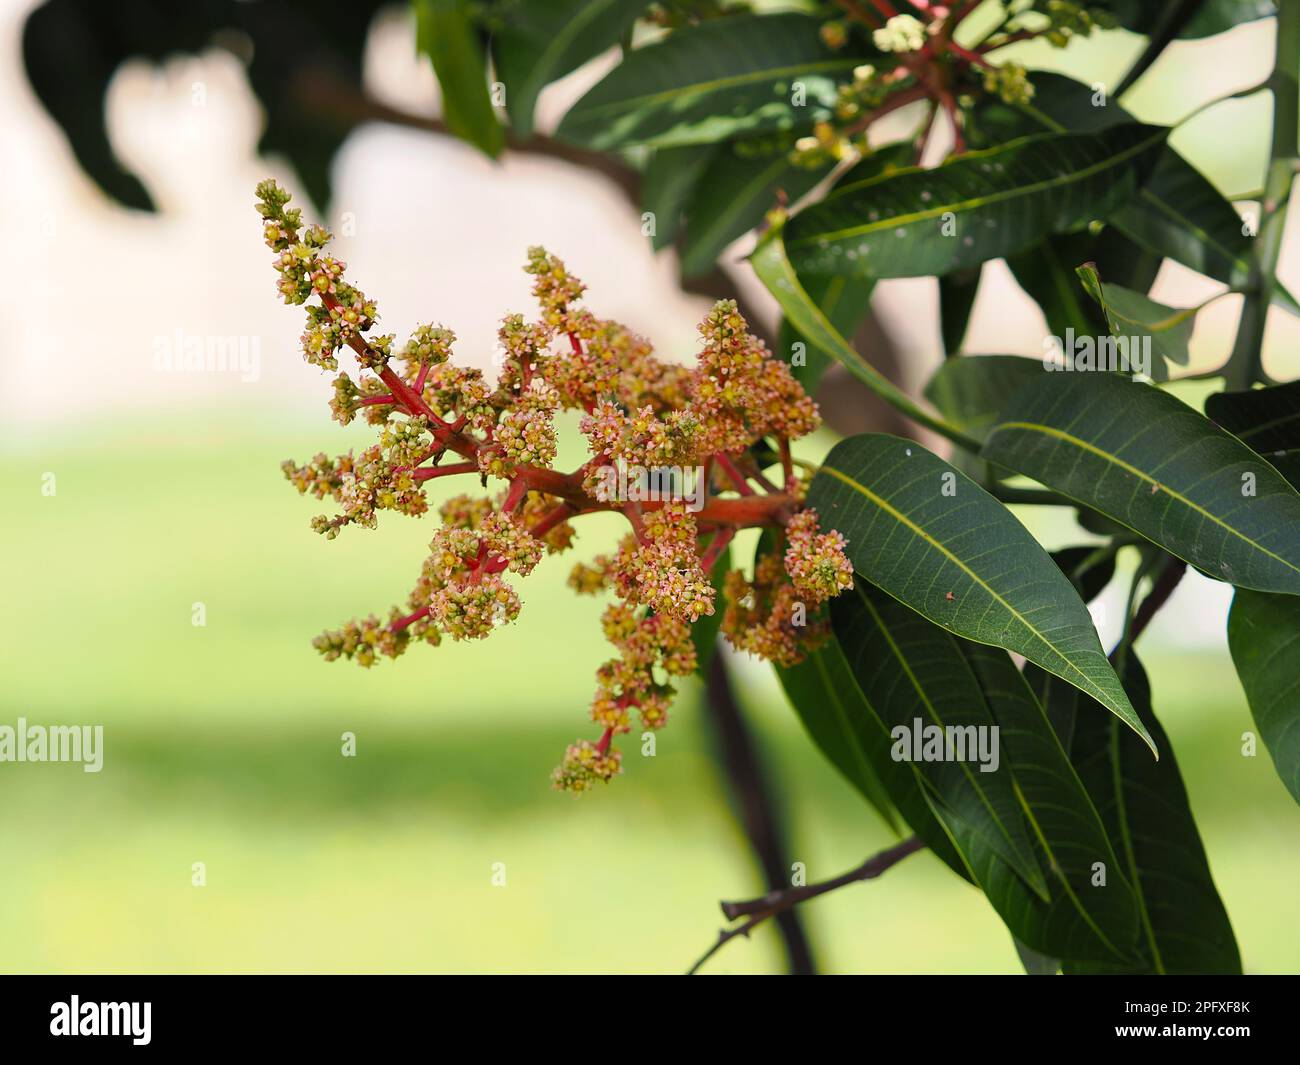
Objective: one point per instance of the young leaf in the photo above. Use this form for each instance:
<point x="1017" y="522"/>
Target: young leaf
<point x="1150" y="462"/>
<point x="712" y="81"/>
<point x="979" y="206"/>
<point x="446" y="34"/>
<point x="914" y="676"/>
<point x="935" y="540"/>
<point x="542" y="40"/>
<point x="1139" y="319"/>
<point x="1264" y="638"/>
<point x="1143" y="804"/>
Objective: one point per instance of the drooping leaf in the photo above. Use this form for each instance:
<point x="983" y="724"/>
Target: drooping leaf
<point x="1147" y="460"/>
<point x="445" y="32"/>
<point x="978" y="206"/>
<point x="669" y="183"/>
<point x="1141" y="321"/>
<point x="1036" y="964"/>
<point x="854" y="740"/>
<point x="539" y="41"/>
<point x="935" y="540"/>
<point x="844" y="303"/>
<point x="719" y="79"/>
<point x="1264" y="638"/>
<point x="970" y="391"/>
<point x="732" y="196"/>
<point x="957" y="292"/>
<point x="1068" y="832"/>
<point x="1144" y="806"/>
<point x="1268" y="419"/>
<point x="915" y="677"/>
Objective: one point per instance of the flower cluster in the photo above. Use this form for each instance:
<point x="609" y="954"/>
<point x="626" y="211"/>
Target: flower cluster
<point x="435" y="419"/>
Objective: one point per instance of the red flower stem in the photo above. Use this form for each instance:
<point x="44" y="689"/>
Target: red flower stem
<point x="555" y="517"/>
<point x="371" y="401"/>
<point x="787" y="462"/>
<point x="410" y="619"/>
<point x="736" y="477"/>
<point x="716" y="546"/>
<point x="421" y="377"/>
<point x="603" y="745"/>
<point x="518" y="489"/>
<point x="970" y="57"/>
<point x="428" y="473"/>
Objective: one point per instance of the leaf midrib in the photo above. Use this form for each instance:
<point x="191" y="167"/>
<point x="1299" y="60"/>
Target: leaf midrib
<point x="1115" y="460"/>
<point x="1058" y="181"/>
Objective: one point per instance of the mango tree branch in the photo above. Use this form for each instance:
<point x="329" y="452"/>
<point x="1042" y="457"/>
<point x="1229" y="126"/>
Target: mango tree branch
<point x="778" y="902"/>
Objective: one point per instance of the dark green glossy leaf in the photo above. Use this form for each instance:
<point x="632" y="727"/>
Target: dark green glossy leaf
<point x="851" y="736"/>
<point x="1069" y="836"/>
<point x="1144" y="806"/>
<point x="1178" y="213"/>
<point x="722" y="78"/>
<point x="1150" y="462"/>
<point x="539" y="41"/>
<point x="935" y="540"/>
<point x="913" y="674"/>
<point x="1268" y="419"/>
<point x="1264" y="638"/>
<point x="978" y="206"/>
<point x="445" y="32"/>
<point x="957" y="292"/>
<point x="970" y="391"/>
<point x="1206" y="18"/>
<point x="1089" y="569"/>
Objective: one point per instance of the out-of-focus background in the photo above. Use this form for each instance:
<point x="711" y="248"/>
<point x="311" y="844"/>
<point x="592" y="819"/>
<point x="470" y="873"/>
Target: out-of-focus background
<point x="222" y="740"/>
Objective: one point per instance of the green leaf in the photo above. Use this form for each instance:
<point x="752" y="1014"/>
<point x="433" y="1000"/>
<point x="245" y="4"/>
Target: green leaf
<point x="1268" y="419"/>
<point x="445" y="33"/>
<point x="669" y="183"/>
<point x="1089" y="569"/>
<point x="540" y="41"/>
<point x="827" y="699"/>
<point x="844" y="304"/>
<point x="978" y="206"/>
<point x="957" y="292"/>
<point x="916" y="679"/>
<point x="1036" y="964"/>
<point x="704" y="632"/>
<point x="733" y="195"/>
<point x="1264" y="638"/>
<point x="1178" y="213"/>
<point x="1208" y="18"/>
<point x="1069" y="834"/>
<point x="1150" y="462"/>
<point x="1141" y="320"/>
<point x="970" y="391"/>
<point x="712" y="81"/>
<point x="935" y="540"/>
<point x="773" y="268"/>
<point x="1185" y="929"/>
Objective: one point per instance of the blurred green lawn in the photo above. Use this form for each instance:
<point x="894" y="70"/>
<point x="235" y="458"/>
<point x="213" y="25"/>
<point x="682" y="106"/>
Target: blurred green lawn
<point x="222" y="745"/>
